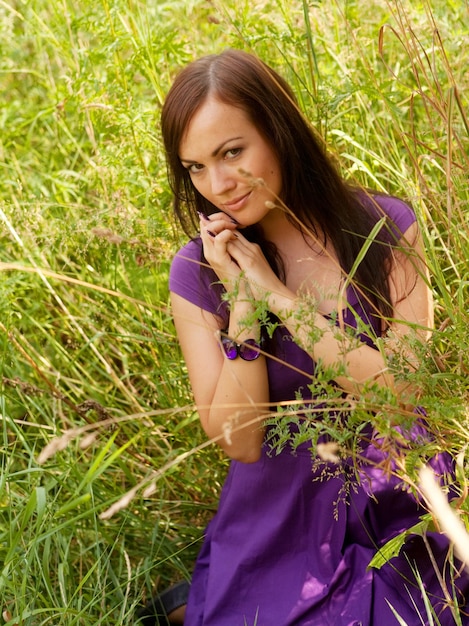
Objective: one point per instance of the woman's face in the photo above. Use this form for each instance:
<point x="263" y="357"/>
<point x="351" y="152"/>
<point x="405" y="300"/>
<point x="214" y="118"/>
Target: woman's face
<point x="219" y="147"/>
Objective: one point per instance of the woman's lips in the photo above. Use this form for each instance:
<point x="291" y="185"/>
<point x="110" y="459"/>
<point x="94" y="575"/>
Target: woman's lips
<point x="237" y="203"/>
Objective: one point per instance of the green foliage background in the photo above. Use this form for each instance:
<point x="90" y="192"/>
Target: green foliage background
<point x="87" y="346"/>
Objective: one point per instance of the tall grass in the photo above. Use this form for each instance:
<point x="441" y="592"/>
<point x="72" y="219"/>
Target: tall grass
<point x="87" y="344"/>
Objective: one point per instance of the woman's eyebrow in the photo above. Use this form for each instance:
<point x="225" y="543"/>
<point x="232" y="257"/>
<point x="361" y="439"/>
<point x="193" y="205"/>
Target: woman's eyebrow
<point x="215" y="152"/>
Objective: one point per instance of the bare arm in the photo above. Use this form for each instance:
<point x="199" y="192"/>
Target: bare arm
<point x="231" y="396"/>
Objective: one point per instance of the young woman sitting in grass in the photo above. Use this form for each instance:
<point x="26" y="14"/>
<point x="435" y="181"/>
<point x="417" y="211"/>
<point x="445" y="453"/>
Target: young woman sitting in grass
<point x="267" y="300"/>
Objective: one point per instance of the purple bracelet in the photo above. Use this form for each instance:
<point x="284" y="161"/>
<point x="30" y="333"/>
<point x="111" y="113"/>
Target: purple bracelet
<point x="248" y="350"/>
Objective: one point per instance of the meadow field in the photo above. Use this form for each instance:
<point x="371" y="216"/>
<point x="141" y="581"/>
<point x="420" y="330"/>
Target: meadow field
<point x="106" y="480"/>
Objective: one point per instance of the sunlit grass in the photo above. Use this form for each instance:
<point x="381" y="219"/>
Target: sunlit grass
<point x="86" y="236"/>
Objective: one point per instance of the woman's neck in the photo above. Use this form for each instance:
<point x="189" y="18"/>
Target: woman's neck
<point x="286" y="235"/>
<point x="276" y="226"/>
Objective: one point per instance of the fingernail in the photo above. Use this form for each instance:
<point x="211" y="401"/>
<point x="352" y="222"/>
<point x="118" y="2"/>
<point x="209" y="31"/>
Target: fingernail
<point x="202" y="215"/>
<point x="234" y="221"/>
<point x="210" y="233"/>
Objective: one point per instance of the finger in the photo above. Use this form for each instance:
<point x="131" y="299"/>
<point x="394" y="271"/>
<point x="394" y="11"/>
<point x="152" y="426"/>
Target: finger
<point x="241" y="256"/>
<point x="220" y="231"/>
<point x="223" y="237"/>
<point x="217" y="221"/>
<point x="245" y="246"/>
<point x="242" y="239"/>
<point x="215" y="246"/>
<point x="213" y="227"/>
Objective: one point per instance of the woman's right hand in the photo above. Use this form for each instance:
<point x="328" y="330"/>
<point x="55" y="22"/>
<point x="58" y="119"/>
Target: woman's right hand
<point x="216" y="232"/>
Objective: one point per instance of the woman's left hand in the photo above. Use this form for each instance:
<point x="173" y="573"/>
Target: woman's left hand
<point x="262" y="282"/>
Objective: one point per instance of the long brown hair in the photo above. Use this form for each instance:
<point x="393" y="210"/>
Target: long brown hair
<point x="321" y="201"/>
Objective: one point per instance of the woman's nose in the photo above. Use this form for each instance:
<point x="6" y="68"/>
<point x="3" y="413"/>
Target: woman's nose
<point x="222" y="180"/>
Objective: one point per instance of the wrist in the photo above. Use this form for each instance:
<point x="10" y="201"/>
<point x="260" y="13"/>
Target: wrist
<point x="282" y="304"/>
<point x="248" y="349"/>
<point x="243" y="323"/>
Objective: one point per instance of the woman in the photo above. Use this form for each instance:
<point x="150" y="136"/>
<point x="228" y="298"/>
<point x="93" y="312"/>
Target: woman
<point x="261" y="304"/>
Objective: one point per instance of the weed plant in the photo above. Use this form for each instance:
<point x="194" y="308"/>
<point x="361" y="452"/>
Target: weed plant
<point x="94" y="397"/>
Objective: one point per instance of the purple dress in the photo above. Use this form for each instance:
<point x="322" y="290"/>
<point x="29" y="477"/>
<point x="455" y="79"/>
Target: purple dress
<point x="285" y="549"/>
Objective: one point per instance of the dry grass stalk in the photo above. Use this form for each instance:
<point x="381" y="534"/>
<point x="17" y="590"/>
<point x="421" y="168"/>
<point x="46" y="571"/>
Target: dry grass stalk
<point x="450" y="522"/>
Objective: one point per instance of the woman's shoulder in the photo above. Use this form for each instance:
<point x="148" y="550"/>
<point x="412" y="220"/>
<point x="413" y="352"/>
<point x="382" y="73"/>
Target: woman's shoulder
<point x="194" y="280"/>
<point x="186" y="265"/>
<point x="400" y="215"/>
<point x="190" y="252"/>
<point x="399" y="211"/>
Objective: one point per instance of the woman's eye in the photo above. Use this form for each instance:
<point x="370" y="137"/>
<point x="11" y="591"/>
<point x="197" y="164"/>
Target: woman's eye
<point x="195" y="168"/>
<point x="232" y="152"/>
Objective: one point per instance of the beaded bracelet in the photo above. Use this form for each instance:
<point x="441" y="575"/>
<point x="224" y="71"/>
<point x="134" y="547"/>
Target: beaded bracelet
<point x="248" y="350"/>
